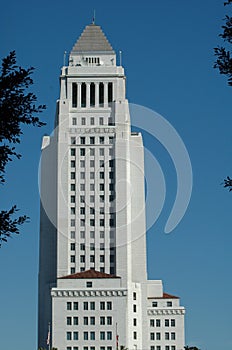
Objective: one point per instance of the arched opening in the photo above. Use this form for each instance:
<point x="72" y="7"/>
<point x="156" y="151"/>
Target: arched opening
<point x="101" y="94"/>
<point x="83" y="95"/>
<point x="92" y="95"/>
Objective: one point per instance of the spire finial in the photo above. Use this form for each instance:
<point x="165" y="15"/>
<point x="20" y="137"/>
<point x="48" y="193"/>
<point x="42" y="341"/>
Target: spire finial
<point x="94" y="17"/>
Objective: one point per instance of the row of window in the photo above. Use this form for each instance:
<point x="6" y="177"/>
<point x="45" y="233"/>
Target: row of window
<point x="89" y="305"/>
<point x="92" y="140"/>
<point x="101" y="269"/>
<point x="167" y="347"/>
<point x="167" y="336"/>
<point x="92" y="175"/>
<point x="92" y="200"/>
<point x="92" y="222"/>
<point x="167" y="323"/>
<point x="155" y="304"/>
<point x="101" y="163"/>
<point x="89" y="335"/>
<point x="93" y="121"/>
<point x="91" y="234"/>
<point x="70" y="321"/>
<point x="91" y="246"/>
<point x="91" y="258"/>
<point x="90" y="151"/>
<point x="92" y="210"/>
<point x="92" y="94"/>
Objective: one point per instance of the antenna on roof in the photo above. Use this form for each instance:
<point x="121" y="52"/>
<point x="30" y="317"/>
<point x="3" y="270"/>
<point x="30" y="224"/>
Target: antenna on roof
<point x="65" y="53"/>
<point x="120" y="57"/>
<point x="94" y="17"/>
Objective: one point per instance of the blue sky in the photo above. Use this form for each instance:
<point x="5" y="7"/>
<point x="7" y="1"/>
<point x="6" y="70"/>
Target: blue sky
<point x="167" y="49"/>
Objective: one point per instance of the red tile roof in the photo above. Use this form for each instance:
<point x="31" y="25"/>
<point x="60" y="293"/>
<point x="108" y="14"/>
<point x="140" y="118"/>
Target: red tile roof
<point x="89" y="274"/>
<point x="165" y="296"/>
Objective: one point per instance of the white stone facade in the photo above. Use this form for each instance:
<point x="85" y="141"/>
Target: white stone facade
<point x="93" y="285"/>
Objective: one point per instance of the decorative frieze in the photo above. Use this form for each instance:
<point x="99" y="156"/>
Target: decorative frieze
<point x="88" y="293"/>
<point x="81" y="131"/>
<point x="159" y="312"/>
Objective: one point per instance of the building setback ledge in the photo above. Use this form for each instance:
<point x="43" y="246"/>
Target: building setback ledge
<point x="89" y="274"/>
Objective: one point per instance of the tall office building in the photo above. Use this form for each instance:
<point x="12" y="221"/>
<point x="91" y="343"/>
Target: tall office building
<point x="93" y="286"/>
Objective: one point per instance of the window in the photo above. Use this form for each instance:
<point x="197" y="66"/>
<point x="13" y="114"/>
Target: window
<point x="101" y="151"/>
<point x="134" y="296"/>
<point x="173" y="322"/>
<point x="173" y="347"/>
<point x="73" y="140"/>
<point x="91" y="175"/>
<point x="111" y="258"/>
<point x="102" y="211"/>
<point x="82" y="151"/>
<point x="154" y="304"/>
<point x="134" y="308"/>
<point x="83" y="121"/>
<point x="75" y="335"/>
<point x="134" y="321"/>
<point x="72" y="210"/>
<point x="102" y="320"/>
<point x="92" y="140"/>
<point x="92" y="246"/>
<point x="92" y="320"/>
<point x="166" y="336"/>
<point x="82" y="222"/>
<point x="75" y="320"/>
<point x="173" y="336"/>
<point x="109" y="335"/>
<point x="109" y="320"/>
<point x="111" y="140"/>
<point x="166" y="323"/>
<point x="102" y="258"/>
<point x="82" y="199"/>
<point x="72" y="246"/>
<point x="85" y="305"/>
<point x="92" y="94"/>
<point x="111" y="175"/>
<point x="152" y="336"/>
<point x="82" y="175"/>
<point x="111" y="151"/>
<point x="92" y="151"/>
<point x="158" y="336"/>
<point x="101" y="175"/>
<point x="102" y="198"/>
<point x="111" y="163"/>
<point x="102" y="305"/>
<point x="69" y="348"/>
<point x="72" y="270"/>
<point x="152" y="347"/>
<point x="85" y="321"/>
<point x="169" y="303"/>
<point x="82" y="246"/>
<point x="75" y="305"/>
<point x="85" y="335"/>
<point x="152" y="323"/>
<point x="101" y="140"/>
<point x="92" y="121"/>
<point x="74" y="95"/>
<point x="73" y="176"/>
<point x="72" y="234"/>
<point x="82" y="233"/>
<point x="82" y="140"/>
<point x="72" y="258"/>
<point x="83" y="95"/>
<point x="92" y="234"/>
<point x="82" y="258"/>
<point x="101" y="163"/>
<point x="92" y="222"/>
<point x="92" y="163"/>
<point x="102" y="335"/>
<point x="69" y="335"/>
<point x="102" y="222"/>
<point x="92" y="335"/>
<point x="101" y="94"/>
<point x="73" y="151"/>
<point x="110" y="92"/>
<point x="158" y="347"/>
<point x="72" y="222"/>
<point x="92" y="258"/>
<point x="167" y="347"/>
<point x="158" y="323"/>
<point x="102" y="247"/>
<point x="72" y="199"/>
<point x="69" y="305"/>
<point x="92" y="187"/>
<point x="82" y="210"/>
<point x="92" y="303"/>
<point x="101" y="121"/>
<point x="135" y="335"/>
<point x="82" y="163"/>
<point x="91" y="198"/>
<point x="111" y="222"/>
<point x="109" y="305"/>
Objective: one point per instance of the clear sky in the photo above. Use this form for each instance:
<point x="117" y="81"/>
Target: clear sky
<point x="167" y="51"/>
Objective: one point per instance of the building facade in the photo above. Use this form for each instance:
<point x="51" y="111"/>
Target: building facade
<point x="93" y="286"/>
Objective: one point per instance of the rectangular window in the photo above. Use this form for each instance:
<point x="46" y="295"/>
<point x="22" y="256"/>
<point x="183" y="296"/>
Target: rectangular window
<point x="101" y="151"/>
<point x="73" y="140"/>
<point x="72" y="210"/>
<point x="92" y="163"/>
<point x="82" y="234"/>
<point x="166" y="336"/>
<point x="101" y="140"/>
<point x="85" y="321"/>
<point x="82" y="222"/>
<point x="72" y="258"/>
<point x="75" y="335"/>
<point x="135" y="335"/>
<point x="72" y="199"/>
<point x="102" y="258"/>
<point x="102" y="320"/>
<point x="166" y="323"/>
<point x="135" y="322"/>
<point x="82" y="246"/>
<point x="82" y="152"/>
<point x="92" y="140"/>
<point x="102" y="305"/>
<point x="109" y="320"/>
<point x="72" y="222"/>
<point x="72" y="246"/>
<point x="134" y="308"/>
<point x="173" y="336"/>
<point x="152" y="347"/>
<point x="154" y="304"/>
<point x="74" y="121"/>
<point x="92" y="335"/>
<point x="82" y="258"/>
<point x="152" y="336"/>
<point x="92" y="222"/>
<point x="73" y="151"/>
<point x="102" y="335"/>
<point x="85" y="305"/>
<point x="110" y="92"/>
<point x="91" y="175"/>
<point x="109" y="305"/>
<point x="82" y="210"/>
<point x="101" y="163"/>
<point x="85" y="335"/>
<point x="75" y="320"/>
<point x="169" y="303"/>
<point x="152" y="323"/>
<point x="92" y="320"/>
<point x="92" y="151"/>
<point x="101" y="175"/>
<point x="92" y="303"/>
<point x="167" y="347"/>
<point x="92" y="234"/>
<point x="72" y="270"/>
<point x="92" y="258"/>
<point x="102" y="198"/>
<point x="92" y="187"/>
<point x="173" y="322"/>
<point x="91" y="198"/>
<point x="92" y="246"/>
<point x="82" y="199"/>
<point x="74" y="95"/>
<point x="102" y="246"/>
<point x="75" y="305"/>
<point x="102" y="222"/>
<point x="101" y="121"/>
<point x="82" y="175"/>
<point x="73" y="176"/>
<point x="158" y="323"/>
<point x="82" y="121"/>
<point x="82" y="163"/>
<point x="92" y="121"/>
<point x="109" y="335"/>
<point x="82" y="140"/>
<point x="158" y="336"/>
<point x="173" y="347"/>
<point x="69" y="305"/>
<point x="69" y="335"/>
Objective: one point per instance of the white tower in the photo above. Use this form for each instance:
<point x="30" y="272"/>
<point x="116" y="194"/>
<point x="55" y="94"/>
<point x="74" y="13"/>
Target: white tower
<point x="93" y="286"/>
